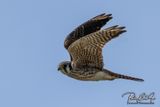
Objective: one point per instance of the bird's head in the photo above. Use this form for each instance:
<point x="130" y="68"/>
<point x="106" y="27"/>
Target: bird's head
<point x="65" y="67"/>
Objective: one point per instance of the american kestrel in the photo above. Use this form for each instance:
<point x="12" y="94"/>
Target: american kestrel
<point x="85" y="44"/>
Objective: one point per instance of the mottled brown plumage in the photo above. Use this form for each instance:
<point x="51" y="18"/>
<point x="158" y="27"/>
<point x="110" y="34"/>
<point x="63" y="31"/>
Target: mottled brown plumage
<point x="85" y="44"/>
<point x="87" y="51"/>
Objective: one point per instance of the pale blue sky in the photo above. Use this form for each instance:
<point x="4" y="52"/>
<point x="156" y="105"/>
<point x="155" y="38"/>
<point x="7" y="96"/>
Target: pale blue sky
<point x="31" y="46"/>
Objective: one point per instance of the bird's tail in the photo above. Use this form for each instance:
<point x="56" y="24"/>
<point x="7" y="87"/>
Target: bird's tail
<point x="120" y="76"/>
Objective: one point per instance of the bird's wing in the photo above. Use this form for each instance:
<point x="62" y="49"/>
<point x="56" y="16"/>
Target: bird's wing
<point x="86" y="52"/>
<point x="90" y="26"/>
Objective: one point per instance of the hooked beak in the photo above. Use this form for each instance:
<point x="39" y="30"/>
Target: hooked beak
<point x="59" y="68"/>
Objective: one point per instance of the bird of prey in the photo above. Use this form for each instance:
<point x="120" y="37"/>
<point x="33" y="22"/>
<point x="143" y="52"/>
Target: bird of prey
<point x="85" y="44"/>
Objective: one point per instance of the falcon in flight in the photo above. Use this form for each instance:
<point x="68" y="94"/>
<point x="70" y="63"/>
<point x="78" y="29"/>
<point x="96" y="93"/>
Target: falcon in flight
<point x="85" y="44"/>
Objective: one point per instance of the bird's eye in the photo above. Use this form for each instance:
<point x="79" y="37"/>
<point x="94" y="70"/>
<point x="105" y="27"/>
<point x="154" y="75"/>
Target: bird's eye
<point x="65" y="66"/>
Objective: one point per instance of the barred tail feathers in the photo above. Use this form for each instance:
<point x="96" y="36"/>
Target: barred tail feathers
<point x="120" y="76"/>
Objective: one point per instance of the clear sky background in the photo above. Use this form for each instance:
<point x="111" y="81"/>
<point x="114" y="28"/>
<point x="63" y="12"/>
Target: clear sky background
<point x="31" y="46"/>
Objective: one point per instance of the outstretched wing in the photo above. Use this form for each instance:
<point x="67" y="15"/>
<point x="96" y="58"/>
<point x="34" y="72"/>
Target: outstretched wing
<point x="86" y="28"/>
<point x="86" y="52"/>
